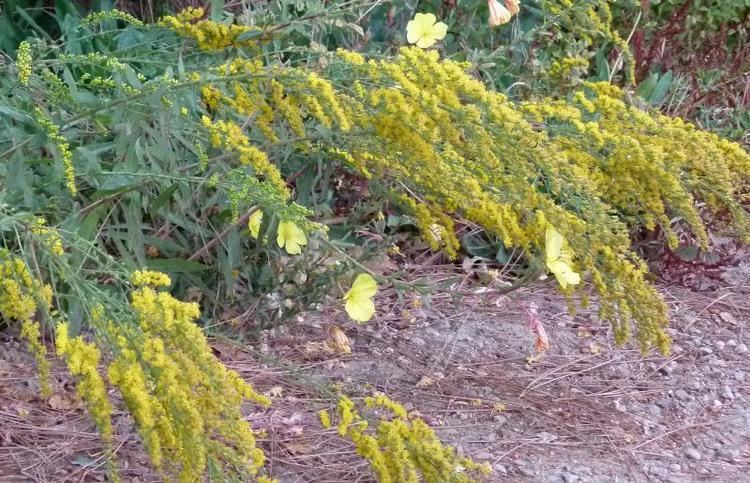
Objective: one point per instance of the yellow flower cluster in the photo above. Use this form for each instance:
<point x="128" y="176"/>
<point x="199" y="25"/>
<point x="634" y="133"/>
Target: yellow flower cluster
<point x="23" y="62"/>
<point x="650" y="167"/>
<point x="151" y="278"/>
<point x="589" y="22"/>
<point x="114" y="14"/>
<point x="568" y="68"/>
<point x="31" y="332"/>
<point x="63" y="148"/>
<point x="185" y="403"/>
<point x="209" y="35"/>
<point x="20" y="295"/>
<point x="402" y="448"/>
<point x="104" y="61"/>
<point x="48" y="236"/>
<point x="82" y="359"/>
<point x="229" y="136"/>
<point x="20" y="298"/>
<point x="425" y="128"/>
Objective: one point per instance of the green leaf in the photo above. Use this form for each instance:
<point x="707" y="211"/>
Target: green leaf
<point x="175" y="265"/>
<point x="661" y="89"/>
<point x="163" y="198"/>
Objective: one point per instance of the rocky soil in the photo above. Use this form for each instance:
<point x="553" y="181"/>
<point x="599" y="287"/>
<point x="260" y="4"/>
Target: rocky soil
<point x="583" y="411"/>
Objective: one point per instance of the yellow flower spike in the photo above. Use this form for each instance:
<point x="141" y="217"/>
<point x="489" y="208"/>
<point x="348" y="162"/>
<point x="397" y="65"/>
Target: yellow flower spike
<point x="559" y="258"/>
<point x="425" y="30"/>
<point x="499" y="15"/>
<point x="254" y="222"/>
<point x="290" y="237"/>
<point x="358" y="300"/>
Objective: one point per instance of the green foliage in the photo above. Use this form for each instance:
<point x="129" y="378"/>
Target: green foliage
<point x="218" y="151"/>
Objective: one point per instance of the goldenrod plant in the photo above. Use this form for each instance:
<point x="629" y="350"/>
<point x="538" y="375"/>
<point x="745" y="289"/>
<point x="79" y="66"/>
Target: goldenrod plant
<point x="197" y="158"/>
<point x="399" y="446"/>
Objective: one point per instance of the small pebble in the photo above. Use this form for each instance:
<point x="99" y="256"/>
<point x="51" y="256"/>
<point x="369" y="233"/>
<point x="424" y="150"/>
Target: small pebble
<point x="526" y="471"/>
<point x="741" y="349"/>
<point x="726" y="393"/>
<point x="692" y="453"/>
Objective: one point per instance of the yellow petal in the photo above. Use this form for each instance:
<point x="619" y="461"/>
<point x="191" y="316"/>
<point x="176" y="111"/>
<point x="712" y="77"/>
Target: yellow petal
<point x="360" y="309"/>
<point x="439" y="30"/>
<point x="290" y="237"/>
<point x="425" y="20"/>
<point x="359" y="304"/>
<point x="254" y="223"/>
<point x="425" y="42"/>
<point x="364" y="285"/>
<point x="564" y="273"/>
<point x="554" y="243"/>
<point x="424" y="30"/>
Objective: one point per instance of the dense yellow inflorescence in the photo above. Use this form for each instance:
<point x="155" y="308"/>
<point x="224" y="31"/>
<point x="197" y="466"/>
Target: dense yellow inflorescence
<point x="401" y="448"/>
<point x="593" y="166"/>
<point x="63" y="148"/>
<point x="21" y="297"/>
<point x="185" y="403"/>
<point x="82" y="359"/>
<point x="209" y="35"/>
<point x="589" y="22"/>
<point x="50" y="237"/>
<point x="23" y="62"/>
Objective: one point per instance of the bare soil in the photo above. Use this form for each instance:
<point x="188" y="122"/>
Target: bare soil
<point x="584" y="411"/>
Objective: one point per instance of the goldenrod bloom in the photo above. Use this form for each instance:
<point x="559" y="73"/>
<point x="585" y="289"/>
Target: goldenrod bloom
<point x="425" y="30"/>
<point x="290" y="237"/>
<point x="358" y="300"/>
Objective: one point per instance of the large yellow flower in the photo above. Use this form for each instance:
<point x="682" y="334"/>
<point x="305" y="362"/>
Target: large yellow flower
<point x="425" y="30"/>
<point x="254" y="222"/>
<point x="358" y="300"/>
<point x="290" y="237"/>
<point x="559" y="259"/>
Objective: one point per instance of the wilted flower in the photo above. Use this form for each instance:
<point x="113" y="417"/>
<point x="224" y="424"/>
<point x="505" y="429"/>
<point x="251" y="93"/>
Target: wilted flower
<point x="512" y="6"/>
<point x="499" y="15"/>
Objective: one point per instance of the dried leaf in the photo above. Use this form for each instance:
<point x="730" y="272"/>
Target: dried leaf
<point x="299" y="448"/>
<point x="59" y="403"/>
<point x="340" y="340"/>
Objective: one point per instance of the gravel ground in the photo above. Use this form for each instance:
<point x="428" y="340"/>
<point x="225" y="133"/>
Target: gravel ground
<point x="585" y="411"/>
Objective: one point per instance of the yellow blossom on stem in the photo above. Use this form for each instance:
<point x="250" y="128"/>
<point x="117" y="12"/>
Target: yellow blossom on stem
<point x="424" y="30"/>
<point x="358" y="300"/>
<point x="290" y="237"/>
<point x="254" y="222"/>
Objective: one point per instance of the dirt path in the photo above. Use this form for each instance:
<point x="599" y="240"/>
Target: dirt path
<point x="586" y="411"/>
